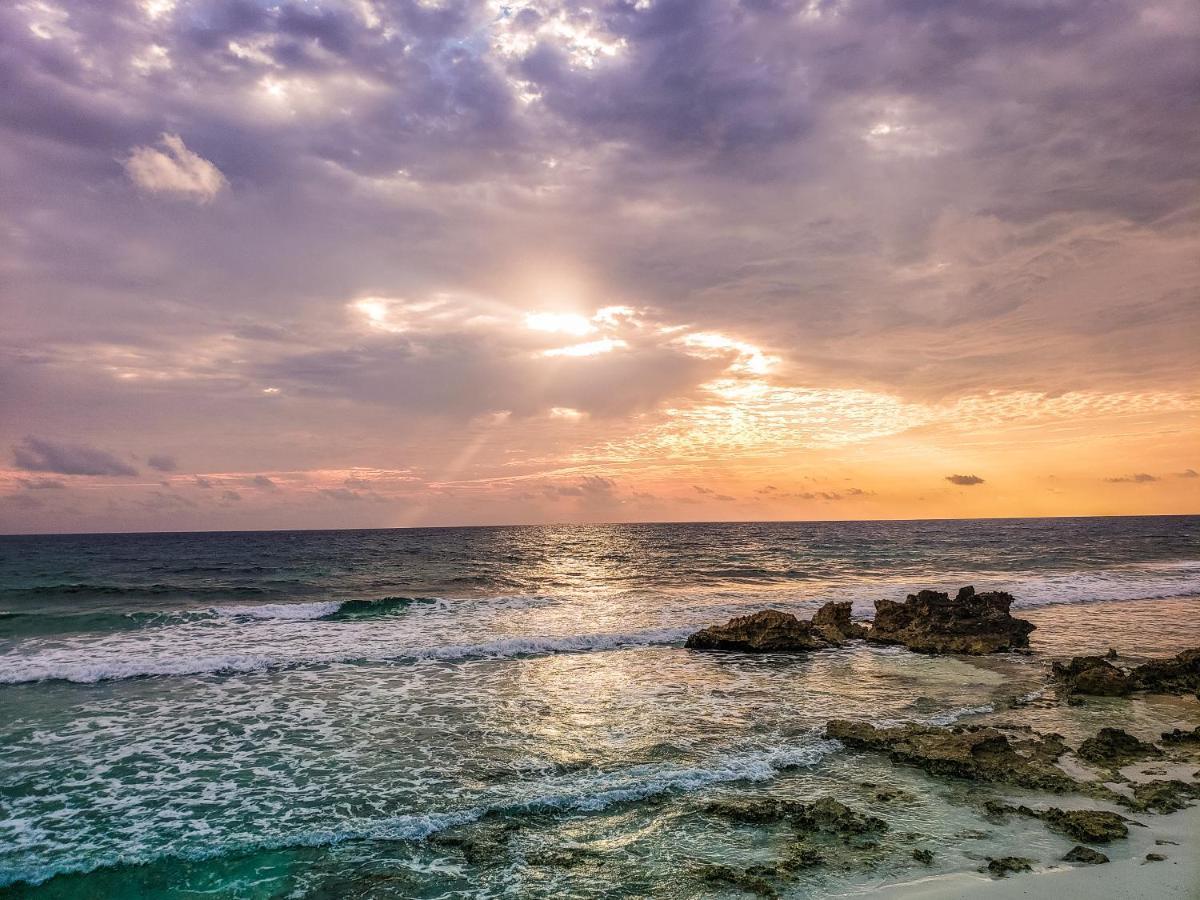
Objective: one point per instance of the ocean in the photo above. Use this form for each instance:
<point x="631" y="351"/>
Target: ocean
<point x="486" y="712"/>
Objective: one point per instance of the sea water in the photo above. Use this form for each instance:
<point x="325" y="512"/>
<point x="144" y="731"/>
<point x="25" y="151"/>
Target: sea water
<point x="509" y="711"/>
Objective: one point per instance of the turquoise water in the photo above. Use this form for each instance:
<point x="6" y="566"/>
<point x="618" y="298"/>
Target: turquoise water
<point x="489" y="712"/>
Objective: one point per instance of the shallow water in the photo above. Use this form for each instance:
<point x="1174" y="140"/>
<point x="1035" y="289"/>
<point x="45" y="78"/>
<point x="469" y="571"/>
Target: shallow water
<point x="247" y="716"/>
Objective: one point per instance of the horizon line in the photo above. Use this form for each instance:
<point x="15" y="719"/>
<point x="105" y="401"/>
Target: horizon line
<point x="33" y="534"/>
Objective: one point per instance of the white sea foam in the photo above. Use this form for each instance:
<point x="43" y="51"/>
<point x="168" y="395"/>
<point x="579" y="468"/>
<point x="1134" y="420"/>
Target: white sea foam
<point x="292" y="612"/>
<point x="65" y="665"/>
<point x="580" y="794"/>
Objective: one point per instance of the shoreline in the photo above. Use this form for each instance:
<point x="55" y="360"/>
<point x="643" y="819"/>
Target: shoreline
<point x="1175" y="878"/>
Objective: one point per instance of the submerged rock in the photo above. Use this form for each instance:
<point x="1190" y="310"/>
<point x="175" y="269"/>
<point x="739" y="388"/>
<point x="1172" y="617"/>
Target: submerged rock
<point x="1114" y="747"/>
<point x="923" y="856"/>
<point x="1093" y="675"/>
<point x="1086" y="855"/>
<point x="1178" y="736"/>
<point x="1089" y="826"/>
<point x="1161" y="796"/>
<point x="930" y="622"/>
<point x="975" y="752"/>
<point x="825" y="815"/>
<point x="1007" y="865"/>
<point x="834" y="622"/>
<point x="748" y="879"/>
<point x="763" y="632"/>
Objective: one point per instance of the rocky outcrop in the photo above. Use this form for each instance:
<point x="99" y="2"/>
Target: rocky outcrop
<point x="1088" y="826"/>
<point x="834" y="622"/>
<point x="979" y="753"/>
<point x="763" y="632"/>
<point x="1179" y="737"/>
<point x="1008" y="865"/>
<point x="1180" y="675"/>
<point x="1092" y="675"/>
<point x="1085" y="855"/>
<point x="1114" y="747"/>
<point x="1097" y="676"/>
<point x="825" y="815"/>
<point x="774" y="631"/>
<point x="1161" y="796"/>
<point x="932" y="622"/>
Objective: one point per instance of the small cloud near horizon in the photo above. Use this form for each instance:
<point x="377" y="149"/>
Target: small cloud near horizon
<point x="1188" y="473"/>
<point x="36" y="454"/>
<point x="1136" y="478"/>
<point x="964" y="480"/>
<point x="41" y="484"/>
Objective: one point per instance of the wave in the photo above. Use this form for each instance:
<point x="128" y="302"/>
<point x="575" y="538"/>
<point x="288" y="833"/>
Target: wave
<point x="63" y="665"/>
<point x="14" y="624"/>
<point x="572" y="794"/>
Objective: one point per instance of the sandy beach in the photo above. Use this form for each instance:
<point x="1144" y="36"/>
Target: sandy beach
<point x="1175" y="836"/>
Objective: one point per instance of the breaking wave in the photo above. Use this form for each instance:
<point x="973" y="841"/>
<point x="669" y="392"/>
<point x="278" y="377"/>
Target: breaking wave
<point x="54" y="665"/>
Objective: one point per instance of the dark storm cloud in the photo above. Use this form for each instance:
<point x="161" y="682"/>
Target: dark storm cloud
<point x="964" y="480"/>
<point x="36" y="454"/>
<point x="161" y="462"/>
<point x="1136" y="478"/>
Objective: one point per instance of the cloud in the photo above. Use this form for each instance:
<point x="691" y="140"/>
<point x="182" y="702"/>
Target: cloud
<point x="40" y="455"/>
<point x="343" y="494"/>
<point x="161" y="462"/>
<point x="174" y="170"/>
<point x="230" y="496"/>
<point x="1188" y="473"/>
<point x="202" y="482"/>
<point x="264" y="482"/>
<point x="1137" y="478"/>
<point x="41" y="484"/>
<point x="964" y="480"/>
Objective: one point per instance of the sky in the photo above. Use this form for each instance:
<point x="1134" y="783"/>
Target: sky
<point x="382" y="263"/>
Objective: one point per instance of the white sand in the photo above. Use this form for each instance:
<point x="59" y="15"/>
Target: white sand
<point x="1127" y="877"/>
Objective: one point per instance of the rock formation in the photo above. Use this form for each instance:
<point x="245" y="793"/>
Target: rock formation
<point x="1095" y="675"/>
<point x="931" y="622"/>
<point x="980" y="753"/>
<point x="834" y="622"/>
<point x="763" y="632"/>
<point x="1114" y="747"/>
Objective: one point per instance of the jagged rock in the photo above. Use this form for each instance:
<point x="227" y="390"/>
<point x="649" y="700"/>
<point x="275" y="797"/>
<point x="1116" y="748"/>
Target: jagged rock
<point x="930" y="622"/>
<point x="1180" y="675"/>
<point x="801" y="857"/>
<point x="923" y="856"/>
<point x="1114" y="747"/>
<point x="1093" y="675"/>
<point x="834" y="622"/>
<point x="979" y="753"/>
<point x="1006" y="865"/>
<point x="826" y="815"/>
<point x="1097" y="676"/>
<point x="1088" y="826"/>
<point x="762" y="632"/>
<point x="1161" y="796"/>
<point x="1155" y="857"/>
<point x="1178" y="736"/>
<point x="746" y="879"/>
<point x="1080" y="854"/>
